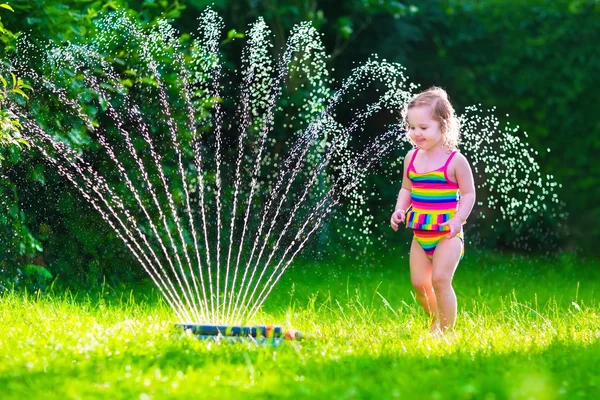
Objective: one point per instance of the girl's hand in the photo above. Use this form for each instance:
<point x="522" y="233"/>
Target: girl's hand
<point x="397" y="218"/>
<point x="455" y="226"/>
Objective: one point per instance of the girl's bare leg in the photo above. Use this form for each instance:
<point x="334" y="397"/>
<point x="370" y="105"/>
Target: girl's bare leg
<point x="445" y="260"/>
<point x="421" y="269"/>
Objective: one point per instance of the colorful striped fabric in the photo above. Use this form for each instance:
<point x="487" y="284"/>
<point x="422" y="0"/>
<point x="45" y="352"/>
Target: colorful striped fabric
<point x="430" y="239"/>
<point x="434" y="198"/>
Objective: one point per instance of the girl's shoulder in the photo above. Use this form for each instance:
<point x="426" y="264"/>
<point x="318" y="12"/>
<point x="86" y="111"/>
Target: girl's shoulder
<point x="409" y="154"/>
<point x="460" y="157"/>
<point x="458" y="160"/>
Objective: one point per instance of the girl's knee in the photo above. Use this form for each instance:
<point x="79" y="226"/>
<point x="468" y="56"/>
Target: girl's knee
<point x="441" y="282"/>
<point x="421" y="285"/>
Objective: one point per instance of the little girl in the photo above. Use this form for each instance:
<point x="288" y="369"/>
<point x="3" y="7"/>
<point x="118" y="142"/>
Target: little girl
<point x="435" y="176"/>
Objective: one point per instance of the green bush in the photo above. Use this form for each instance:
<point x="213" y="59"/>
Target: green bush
<point x="537" y="62"/>
<point x="41" y="220"/>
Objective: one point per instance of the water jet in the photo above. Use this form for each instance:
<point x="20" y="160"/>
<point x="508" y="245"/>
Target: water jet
<point x="215" y="199"/>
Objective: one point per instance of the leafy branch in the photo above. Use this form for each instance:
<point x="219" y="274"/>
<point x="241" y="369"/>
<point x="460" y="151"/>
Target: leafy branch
<point x="9" y="123"/>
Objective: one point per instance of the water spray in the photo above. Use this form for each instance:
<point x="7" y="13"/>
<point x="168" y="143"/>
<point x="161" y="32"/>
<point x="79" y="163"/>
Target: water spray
<point x="222" y="273"/>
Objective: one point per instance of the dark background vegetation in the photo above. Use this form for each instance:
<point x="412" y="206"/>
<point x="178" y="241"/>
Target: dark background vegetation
<point x="537" y="61"/>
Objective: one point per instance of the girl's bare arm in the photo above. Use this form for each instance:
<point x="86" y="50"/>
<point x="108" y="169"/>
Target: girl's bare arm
<point x="464" y="178"/>
<point x="403" y="201"/>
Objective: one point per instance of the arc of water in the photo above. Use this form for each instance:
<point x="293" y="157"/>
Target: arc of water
<point x="252" y="55"/>
<point x="213" y="50"/>
<point x="254" y="309"/>
<point x="243" y="128"/>
<point x="209" y="27"/>
<point x="297" y="243"/>
<point x="145" y="51"/>
<point x="295" y="170"/>
<point x="218" y="130"/>
<point x="187" y="294"/>
<point x="170" y="298"/>
<point x="185" y="78"/>
<point x="358" y="121"/>
<point x="358" y="73"/>
<point x="119" y="124"/>
<point x="311" y="216"/>
<point x="302" y="144"/>
<point x="382" y="149"/>
<point x="134" y="112"/>
<point x="267" y="126"/>
<point x="198" y="165"/>
<point x="273" y="220"/>
<point x="173" y="132"/>
<point x="61" y="94"/>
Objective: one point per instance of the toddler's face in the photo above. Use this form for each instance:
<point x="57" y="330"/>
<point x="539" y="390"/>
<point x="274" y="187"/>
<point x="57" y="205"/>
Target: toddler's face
<point x="422" y="129"/>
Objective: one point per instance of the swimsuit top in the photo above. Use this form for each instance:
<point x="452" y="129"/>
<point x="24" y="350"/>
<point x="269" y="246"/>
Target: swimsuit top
<point x="434" y="197"/>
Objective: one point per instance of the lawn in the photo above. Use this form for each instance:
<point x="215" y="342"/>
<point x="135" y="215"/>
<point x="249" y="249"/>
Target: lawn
<point x="528" y="328"/>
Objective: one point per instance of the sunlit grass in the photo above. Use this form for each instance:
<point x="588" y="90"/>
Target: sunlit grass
<point x="527" y="328"/>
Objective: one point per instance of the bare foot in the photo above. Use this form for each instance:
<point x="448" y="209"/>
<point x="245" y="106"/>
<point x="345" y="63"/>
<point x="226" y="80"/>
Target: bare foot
<point x="437" y="332"/>
<point x="435" y="327"/>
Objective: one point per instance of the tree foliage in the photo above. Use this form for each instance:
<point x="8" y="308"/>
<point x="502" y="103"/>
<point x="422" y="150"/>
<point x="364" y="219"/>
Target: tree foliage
<point x="536" y="61"/>
<point x="42" y="223"/>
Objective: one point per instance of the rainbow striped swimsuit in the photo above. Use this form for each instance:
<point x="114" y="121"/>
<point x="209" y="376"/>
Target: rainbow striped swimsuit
<point x="434" y="201"/>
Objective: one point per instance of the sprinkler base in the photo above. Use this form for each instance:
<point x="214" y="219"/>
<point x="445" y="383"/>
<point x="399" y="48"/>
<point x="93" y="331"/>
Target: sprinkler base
<point x="261" y="341"/>
<point x="240" y="333"/>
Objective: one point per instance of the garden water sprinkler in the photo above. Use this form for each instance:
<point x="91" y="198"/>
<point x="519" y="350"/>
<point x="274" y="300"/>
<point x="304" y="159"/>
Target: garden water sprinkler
<point x="236" y="333"/>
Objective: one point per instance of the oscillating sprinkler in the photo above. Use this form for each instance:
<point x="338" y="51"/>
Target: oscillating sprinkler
<point x="260" y="333"/>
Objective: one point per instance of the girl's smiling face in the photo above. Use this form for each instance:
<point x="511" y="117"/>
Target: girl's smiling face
<point x="423" y="130"/>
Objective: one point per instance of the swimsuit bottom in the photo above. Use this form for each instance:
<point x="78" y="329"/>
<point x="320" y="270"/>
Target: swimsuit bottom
<point x="430" y="239"/>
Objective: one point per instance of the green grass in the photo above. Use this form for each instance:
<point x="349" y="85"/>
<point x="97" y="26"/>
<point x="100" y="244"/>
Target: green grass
<point x="527" y="329"/>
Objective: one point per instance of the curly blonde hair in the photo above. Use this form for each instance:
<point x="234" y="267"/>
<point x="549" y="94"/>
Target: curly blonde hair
<point x="441" y="111"/>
